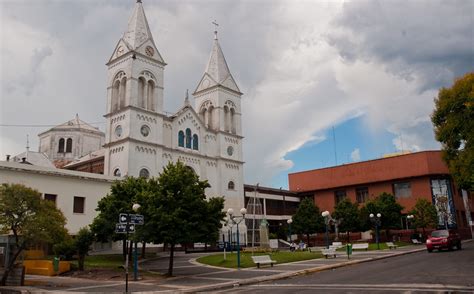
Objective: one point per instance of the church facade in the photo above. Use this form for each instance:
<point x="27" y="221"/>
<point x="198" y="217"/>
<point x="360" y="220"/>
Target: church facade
<point x="140" y="140"/>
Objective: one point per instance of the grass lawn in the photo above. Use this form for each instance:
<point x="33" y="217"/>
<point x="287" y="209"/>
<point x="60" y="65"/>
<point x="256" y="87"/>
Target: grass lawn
<point x="246" y="260"/>
<point x="112" y="261"/>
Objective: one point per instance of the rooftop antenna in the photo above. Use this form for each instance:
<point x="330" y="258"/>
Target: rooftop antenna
<point x="334" y="139"/>
<point x="215" y="30"/>
<point x="27" y="146"/>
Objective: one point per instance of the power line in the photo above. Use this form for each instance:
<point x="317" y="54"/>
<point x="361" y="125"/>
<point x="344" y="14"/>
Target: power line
<point x="41" y="126"/>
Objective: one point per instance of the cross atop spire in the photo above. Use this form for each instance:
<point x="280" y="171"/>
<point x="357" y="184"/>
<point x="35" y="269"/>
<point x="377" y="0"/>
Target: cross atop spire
<point x="215" y="30"/>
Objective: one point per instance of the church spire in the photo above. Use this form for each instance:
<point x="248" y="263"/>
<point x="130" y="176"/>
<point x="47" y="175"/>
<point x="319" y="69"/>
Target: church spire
<point x="138" y="30"/>
<point x="217" y="72"/>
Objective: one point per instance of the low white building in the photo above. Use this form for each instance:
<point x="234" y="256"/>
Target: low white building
<point x="76" y="194"/>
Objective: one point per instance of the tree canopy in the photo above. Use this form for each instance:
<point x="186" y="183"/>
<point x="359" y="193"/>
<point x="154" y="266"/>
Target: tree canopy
<point x="453" y="120"/>
<point x="29" y="218"/>
<point x="178" y="210"/>
<point x="307" y="219"/>
<point x="387" y="205"/>
<point x="425" y="215"/>
<point x="123" y="194"/>
<point x="348" y="213"/>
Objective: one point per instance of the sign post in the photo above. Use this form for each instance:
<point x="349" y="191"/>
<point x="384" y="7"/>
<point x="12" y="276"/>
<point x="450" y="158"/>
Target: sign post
<point x="126" y="225"/>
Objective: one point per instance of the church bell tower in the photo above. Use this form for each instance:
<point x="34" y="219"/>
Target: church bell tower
<point x="134" y="102"/>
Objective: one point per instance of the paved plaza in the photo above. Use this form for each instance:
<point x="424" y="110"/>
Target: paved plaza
<point x="191" y="276"/>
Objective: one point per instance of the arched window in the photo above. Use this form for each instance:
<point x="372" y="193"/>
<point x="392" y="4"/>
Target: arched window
<point x="181" y="139"/>
<point x="232" y="121"/>
<point x="123" y="84"/>
<point x="231" y="185"/>
<point x="195" y="142"/>
<point x="226" y="119"/>
<point x="209" y="117"/>
<point x="69" y="145"/>
<point x="141" y="92"/>
<point x="61" y="145"/>
<point x="144" y="173"/>
<point x="115" y="95"/>
<point x="117" y="172"/>
<point x="150" y="96"/>
<point x="188" y="138"/>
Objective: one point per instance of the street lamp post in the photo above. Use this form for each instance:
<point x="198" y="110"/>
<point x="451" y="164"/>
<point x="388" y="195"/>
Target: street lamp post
<point x="237" y="220"/>
<point x="327" y="220"/>
<point x="135" y="207"/>
<point x="289" y="221"/>
<point x="377" y="222"/>
<point x="409" y="219"/>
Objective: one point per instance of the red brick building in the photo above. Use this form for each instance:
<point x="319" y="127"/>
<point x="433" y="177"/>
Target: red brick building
<point x="408" y="177"/>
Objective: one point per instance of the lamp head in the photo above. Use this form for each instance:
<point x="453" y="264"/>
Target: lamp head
<point x="289" y="221"/>
<point x="243" y="211"/>
<point x="325" y="213"/>
<point x="230" y="212"/>
<point x="136" y="207"/>
<point x="371" y="215"/>
<point x="379" y="215"/>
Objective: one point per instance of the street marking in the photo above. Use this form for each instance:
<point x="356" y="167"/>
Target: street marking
<point x="96" y="286"/>
<point x="412" y="287"/>
<point x="218" y="279"/>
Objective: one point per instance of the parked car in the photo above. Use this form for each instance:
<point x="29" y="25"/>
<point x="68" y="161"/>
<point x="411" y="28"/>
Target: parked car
<point x="443" y="239"/>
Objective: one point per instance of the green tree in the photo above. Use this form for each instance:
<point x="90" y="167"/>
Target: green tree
<point x="348" y="213"/>
<point x="123" y="194"/>
<point x="424" y="215"/>
<point x="453" y="120"/>
<point x="388" y="207"/>
<point x="178" y="210"/>
<point x="307" y="219"/>
<point x="29" y="218"/>
<point x="82" y="244"/>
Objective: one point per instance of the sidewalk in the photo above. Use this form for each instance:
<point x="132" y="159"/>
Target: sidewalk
<point x="191" y="276"/>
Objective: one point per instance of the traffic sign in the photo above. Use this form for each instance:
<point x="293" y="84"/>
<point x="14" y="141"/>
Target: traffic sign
<point x="122" y="228"/>
<point x="136" y="219"/>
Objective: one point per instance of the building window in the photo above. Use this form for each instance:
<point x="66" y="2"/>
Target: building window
<point x="50" y="197"/>
<point x="117" y="172"/>
<point x="69" y="145"/>
<point x="78" y="204"/>
<point x="181" y="139"/>
<point x="362" y="194"/>
<point x="231" y="185"/>
<point x="188" y="138"/>
<point x="61" y="145"/>
<point x="402" y="190"/>
<point x="195" y="142"/>
<point x="339" y="195"/>
<point x="144" y="173"/>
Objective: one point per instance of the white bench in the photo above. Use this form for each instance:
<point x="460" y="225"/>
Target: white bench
<point x="390" y="245"/>
<point x="415" y="241"/>
<point x="262" y="259"/>
<point x="329" y="252"/>
<point x="337" y="245"/>
<point x="363" y="246"/>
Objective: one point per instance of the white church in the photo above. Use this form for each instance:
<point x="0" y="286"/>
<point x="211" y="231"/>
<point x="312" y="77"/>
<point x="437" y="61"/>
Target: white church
<point x="77" y="163"/>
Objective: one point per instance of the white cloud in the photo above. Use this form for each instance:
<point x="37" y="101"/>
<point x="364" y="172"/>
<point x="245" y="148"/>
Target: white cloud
<point x="303" y="66"/>
<point x="355" y="155"/>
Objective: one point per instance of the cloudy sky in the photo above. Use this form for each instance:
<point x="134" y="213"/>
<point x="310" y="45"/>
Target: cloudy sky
<point x="324" y="82"/>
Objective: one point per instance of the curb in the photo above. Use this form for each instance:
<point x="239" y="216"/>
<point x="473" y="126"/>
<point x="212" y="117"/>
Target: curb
<point x="257" y="280"/>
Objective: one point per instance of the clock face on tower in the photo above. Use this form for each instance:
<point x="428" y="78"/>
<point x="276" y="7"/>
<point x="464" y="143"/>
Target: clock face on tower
<point x="149" y="51"/>
<point x="118" y="131"/>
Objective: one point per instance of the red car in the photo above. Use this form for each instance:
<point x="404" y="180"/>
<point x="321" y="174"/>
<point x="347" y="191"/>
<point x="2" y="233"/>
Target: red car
<point x="443" y="239"/>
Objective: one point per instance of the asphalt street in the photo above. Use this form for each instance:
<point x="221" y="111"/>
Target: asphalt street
<point x="421" y="272"/>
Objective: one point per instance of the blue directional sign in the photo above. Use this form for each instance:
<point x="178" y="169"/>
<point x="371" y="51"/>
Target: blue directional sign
<point x="136" y="219"/>
<point x="122" y="228"/>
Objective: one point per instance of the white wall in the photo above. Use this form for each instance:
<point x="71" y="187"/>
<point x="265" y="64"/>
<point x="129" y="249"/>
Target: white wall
<point x="65" y="184"/>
